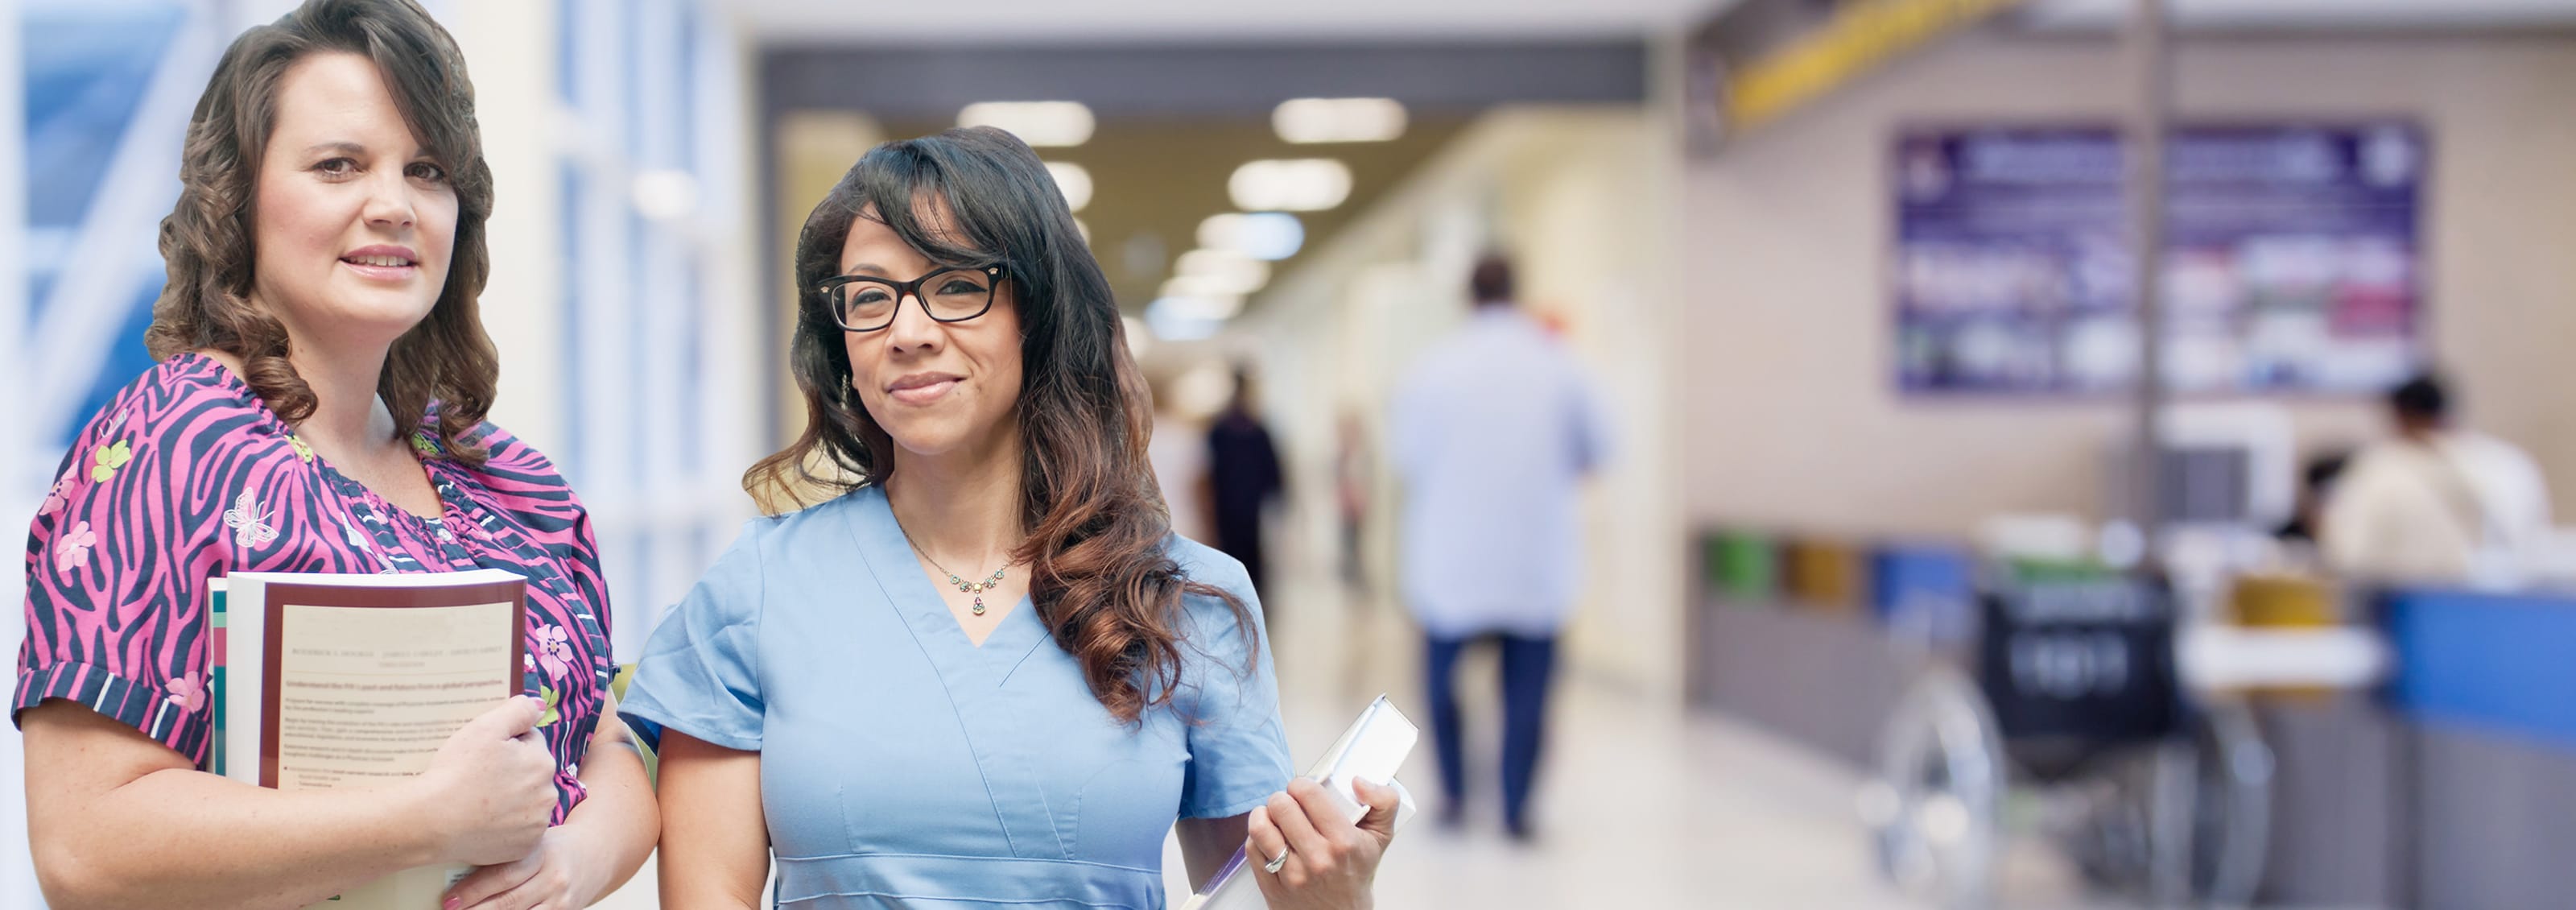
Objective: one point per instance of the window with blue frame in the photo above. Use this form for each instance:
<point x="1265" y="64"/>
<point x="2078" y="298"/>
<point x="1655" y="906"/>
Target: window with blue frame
<point x="88" y="69"/>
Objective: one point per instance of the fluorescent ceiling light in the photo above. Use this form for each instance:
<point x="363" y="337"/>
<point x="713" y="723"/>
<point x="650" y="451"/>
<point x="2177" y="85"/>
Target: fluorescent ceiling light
<point x="1074" y="180"/>
<point x="1183" y="319"/>
<point x="1221" y="271"/>
<point x="1038" y="123"/>
<point x="1290" y="184"/>
<point x="1261" y="235"/>
<point x="1204" y="290"/>
<point x="1202" y="306"/>
<point x="1305" y="120"/>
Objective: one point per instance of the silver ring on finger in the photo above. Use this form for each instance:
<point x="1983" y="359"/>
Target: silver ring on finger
<point x="1281" y="862"/>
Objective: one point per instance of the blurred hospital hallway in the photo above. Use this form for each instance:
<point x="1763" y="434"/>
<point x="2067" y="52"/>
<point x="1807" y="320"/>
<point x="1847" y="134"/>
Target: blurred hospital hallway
<point x="1894" y="374"/>
<point x="1638" y="804"/>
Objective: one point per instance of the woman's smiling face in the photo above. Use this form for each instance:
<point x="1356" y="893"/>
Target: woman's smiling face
<point x="935" y="387"/>
<point x="355" y="220"/>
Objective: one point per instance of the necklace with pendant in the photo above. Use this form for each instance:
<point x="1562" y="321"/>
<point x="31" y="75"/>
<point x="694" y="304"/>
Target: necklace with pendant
<point x="976" y="588"/>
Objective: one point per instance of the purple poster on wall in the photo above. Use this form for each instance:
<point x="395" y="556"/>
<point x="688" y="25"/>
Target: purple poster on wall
<point x="2293" y="259"/>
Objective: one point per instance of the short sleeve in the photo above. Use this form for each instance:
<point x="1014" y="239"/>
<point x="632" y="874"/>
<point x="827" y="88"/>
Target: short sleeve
<point x="1229" y="697"/>
<point x="700" y="673"/>
<point x="116" y="568"/>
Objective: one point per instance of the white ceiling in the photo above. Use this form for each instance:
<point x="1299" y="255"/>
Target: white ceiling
<point x="2317" y="14"/>
<point x="973" y="21"/>
<point x="1092" y="21"/>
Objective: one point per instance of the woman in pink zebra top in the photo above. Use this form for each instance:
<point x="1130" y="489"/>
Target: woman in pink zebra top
<point x="318" y="407"/>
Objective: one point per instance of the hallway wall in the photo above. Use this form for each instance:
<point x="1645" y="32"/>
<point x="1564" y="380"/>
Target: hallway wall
<point x="1793" y="420"/>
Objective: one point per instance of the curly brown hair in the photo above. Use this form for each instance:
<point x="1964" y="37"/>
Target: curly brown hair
<point x="1101" y="573"/>
<point x="207" y="240"/>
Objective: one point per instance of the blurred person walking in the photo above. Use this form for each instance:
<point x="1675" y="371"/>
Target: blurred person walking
<point x="1178" y="453"/>
<point x="1243" y="479"/>
<point x="2435" y="503"/>
<point x="1490" y="435"/>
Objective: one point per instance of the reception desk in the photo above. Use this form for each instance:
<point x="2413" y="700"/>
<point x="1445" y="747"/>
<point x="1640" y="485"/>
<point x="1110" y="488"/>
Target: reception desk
<point x="2454" y="785"/>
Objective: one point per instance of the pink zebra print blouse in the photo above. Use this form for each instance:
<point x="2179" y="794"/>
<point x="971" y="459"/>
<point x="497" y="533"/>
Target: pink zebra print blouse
<point x="185" y="475"/>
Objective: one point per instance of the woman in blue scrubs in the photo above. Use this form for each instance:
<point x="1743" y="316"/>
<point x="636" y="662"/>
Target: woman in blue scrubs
<point x="977" y="670"/>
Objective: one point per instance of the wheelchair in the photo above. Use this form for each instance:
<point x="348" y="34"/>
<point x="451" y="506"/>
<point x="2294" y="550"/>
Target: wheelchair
<point x="2065" y="716"/>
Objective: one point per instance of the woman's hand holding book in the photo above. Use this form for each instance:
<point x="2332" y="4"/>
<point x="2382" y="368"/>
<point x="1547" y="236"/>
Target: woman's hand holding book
<point x="491" y="789"/>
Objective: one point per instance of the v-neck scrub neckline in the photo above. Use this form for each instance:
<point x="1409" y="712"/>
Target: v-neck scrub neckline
<point x="899" y="579"/>
<point x="902" y="766"/>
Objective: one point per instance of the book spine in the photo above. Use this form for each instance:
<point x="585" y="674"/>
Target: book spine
<point x="215" y="666"/>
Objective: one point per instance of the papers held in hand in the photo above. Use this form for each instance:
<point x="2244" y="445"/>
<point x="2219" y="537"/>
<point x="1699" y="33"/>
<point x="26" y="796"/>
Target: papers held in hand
<point x="326" y="681"/>
<point x="1373" y="748"/>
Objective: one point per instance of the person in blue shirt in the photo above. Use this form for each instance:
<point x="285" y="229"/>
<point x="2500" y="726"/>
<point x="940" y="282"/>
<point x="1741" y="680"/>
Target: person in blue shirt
<point x="1492" y="433"/>
<point x="978" y="670"/>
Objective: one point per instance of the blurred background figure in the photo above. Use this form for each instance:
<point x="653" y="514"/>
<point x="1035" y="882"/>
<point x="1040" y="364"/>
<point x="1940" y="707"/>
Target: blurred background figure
<point x="1179" y="452"/>
<point x="1354" y="488"/>
<point x="2435" y="502"/>
<point x="2316" y="487"/>
<point x="1493" y="430"/>
<point x="1244" y="479"/>
<point x="2298" y="536"/>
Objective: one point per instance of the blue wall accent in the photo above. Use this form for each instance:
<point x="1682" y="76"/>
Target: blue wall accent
<point x="2504" y="662"/>
<point x="87" y="70"/>
<point x="1924" y="588"/>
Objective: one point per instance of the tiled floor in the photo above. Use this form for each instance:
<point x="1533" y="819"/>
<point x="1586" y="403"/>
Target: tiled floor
<point x="1640" y="809"/>
<point x="1639" y="804"/>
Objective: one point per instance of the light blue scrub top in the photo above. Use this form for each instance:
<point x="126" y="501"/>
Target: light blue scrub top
<point x="903" y="766"/>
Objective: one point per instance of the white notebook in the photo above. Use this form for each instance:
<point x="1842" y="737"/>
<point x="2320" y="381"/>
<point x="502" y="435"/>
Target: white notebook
<point x="1372" y="749"/>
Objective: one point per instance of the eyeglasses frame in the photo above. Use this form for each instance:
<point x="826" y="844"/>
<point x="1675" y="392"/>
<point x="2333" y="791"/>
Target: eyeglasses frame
<point x="912" y="289"/>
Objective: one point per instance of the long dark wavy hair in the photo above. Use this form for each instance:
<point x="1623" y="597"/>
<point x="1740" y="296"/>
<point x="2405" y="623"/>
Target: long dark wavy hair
<point x="207" y="240"/>
<point x="1099" y="572"/>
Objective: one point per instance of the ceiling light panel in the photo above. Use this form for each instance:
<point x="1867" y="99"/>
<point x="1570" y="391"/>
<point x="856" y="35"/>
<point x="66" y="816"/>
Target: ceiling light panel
<point x="1290" y="184"/>
<point x="1270" y="236"/>
<point x="1202" y="306"/>
<point x="1222" y="271"/>
<point x="1184" y="318"/>
<point x="1309" y="120"/>
<point x="1043" y="124"/>
<point x="1074" y="180"/>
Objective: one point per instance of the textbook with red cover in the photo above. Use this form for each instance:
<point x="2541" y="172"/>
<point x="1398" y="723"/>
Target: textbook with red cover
<point x="330" y="681"/>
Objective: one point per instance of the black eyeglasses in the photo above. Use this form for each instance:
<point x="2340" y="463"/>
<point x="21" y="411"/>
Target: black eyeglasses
<point x="866" y="303"/>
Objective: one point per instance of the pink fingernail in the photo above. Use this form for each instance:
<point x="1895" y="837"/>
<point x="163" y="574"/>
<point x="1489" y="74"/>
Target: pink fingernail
<point x="453" y="902"/>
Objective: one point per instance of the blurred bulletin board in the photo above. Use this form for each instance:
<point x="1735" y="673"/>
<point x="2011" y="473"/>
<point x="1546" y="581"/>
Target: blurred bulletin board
<point x="2294" y="259"/>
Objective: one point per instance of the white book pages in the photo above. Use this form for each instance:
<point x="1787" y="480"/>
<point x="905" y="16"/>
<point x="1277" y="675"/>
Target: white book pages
<point x="315" y="630"/>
